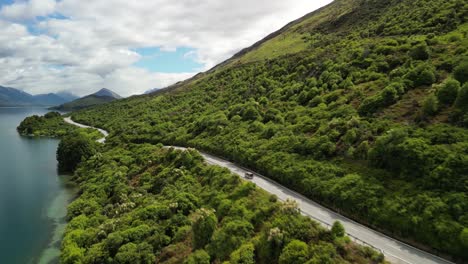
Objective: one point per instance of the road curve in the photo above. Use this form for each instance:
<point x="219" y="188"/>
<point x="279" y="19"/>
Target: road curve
<point x="395" y="251"/>
<point x="102" y="131"/>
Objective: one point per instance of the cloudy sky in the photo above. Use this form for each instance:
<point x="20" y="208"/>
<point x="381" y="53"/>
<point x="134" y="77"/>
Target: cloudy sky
<point x="128" y="46"/>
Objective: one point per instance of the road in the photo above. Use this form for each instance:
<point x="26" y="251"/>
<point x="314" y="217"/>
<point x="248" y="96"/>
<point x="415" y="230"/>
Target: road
<point x="103" y="132"/>
<point x="395" y="251"/>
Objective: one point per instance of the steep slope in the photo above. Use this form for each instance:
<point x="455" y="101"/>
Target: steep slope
<point x="100" y="97"/>
<point x="361" y="106"/>
<point x="104" y="92"/>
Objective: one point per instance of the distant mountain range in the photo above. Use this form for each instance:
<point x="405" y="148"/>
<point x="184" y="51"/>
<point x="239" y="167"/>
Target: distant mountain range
<point x="100" y="97"/>
<point x="15" y="97"/>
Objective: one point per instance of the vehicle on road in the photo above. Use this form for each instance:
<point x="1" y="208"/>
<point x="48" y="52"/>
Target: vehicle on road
<point x="248" y="175"/>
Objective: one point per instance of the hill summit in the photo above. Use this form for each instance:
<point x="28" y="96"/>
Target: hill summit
<point x="104" y="92"/>
<point x="100" y="97"/>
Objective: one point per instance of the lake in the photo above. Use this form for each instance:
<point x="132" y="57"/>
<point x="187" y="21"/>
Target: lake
<point x="33" y="197"/>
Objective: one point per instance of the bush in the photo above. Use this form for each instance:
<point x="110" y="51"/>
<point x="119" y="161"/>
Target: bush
<point x="462" y="99"/>
<point x="389" y="95"/>
<point x="338" y="230"/>
<point x="296" y="252"/>
<point x="421" y="75"/>
<point x="448" y="91"/>
<point x="430" y="105"/>
<point x="420" y="52"/>
<point x="198" y="257"/>
<point x="386" y="97"/>
<point x="461" y="72"/>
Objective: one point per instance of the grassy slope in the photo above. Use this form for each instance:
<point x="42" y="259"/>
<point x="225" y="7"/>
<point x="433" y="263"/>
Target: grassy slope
<point x="286" y="108"/>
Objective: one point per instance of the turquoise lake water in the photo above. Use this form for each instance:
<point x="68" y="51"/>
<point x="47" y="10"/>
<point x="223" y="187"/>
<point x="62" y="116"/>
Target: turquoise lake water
<point x="33" y="197"/>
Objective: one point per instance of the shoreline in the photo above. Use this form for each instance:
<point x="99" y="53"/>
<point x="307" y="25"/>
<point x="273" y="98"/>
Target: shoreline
<point x="56" y="213"/>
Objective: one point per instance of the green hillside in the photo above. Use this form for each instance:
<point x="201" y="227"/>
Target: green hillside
<point x="85" y="102"/>
<point x="361" y="106"/>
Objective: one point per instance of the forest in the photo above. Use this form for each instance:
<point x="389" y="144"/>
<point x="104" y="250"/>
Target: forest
<point x="361" y="106"/>
<point x="142" y="203"/>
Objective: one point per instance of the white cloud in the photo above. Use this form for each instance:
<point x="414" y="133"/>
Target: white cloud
<point x="93" y="48"/>
<point x="28" y="10"/>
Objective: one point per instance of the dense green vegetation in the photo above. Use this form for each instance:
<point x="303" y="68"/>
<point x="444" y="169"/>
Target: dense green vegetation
<point x="53" y="125"/>
<point x="73" y="149"/>
<point x="146" y="204"/>
<point x="368" y="115"/>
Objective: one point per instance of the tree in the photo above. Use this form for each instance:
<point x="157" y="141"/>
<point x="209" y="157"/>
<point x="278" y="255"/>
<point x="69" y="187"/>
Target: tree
<point x="338" y="230"/>
<point x="243" y="255"/>
<point x="203" y="226"/>
<point x="131" y="253"/>
<point x="71" y="253"/>
<point x="461" y="72"/>
<point x="230" y="237"/>
<point x="72" y="150"/>
<point x="322" y="253"/>
<point x="296" y="252"/>
<point x="448" y="91"/>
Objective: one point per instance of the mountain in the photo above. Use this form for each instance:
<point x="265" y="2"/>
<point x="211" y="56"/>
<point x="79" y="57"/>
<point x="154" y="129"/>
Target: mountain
<point x="361" y="106"/>
<point x="49" y="99"/>
<point x="67" y="96"/>
<point x="100" y="97"/>
<point x="104" y="92"/>
<point x="15" y="97"/>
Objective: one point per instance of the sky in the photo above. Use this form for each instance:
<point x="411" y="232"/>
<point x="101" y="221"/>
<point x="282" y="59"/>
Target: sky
<point x="128" y="46"/>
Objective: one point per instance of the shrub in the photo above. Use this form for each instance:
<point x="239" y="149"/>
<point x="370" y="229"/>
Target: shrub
<point x="430" y="105"/>
<point x="448" y="91"/>
<point x="462" y="99"/>
<point x="198" y="257"/>
<point x="296" y="252"/>
<point x="386" y="97"/>
<point x="461" y="72"/>
<point x="338" y="230"/>
<point x="421" y="75"/>
<point x="420" y="52"/>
